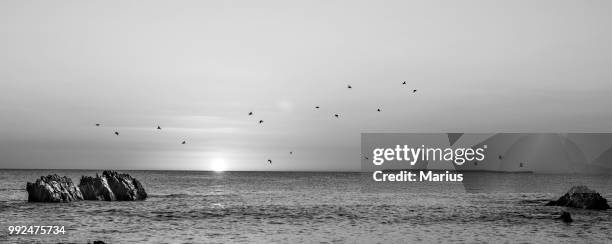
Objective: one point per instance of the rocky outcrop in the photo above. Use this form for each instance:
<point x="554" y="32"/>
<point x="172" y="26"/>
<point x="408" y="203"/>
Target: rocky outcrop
<point x="581" y="197"/>
<point x="566" y="217"/>
<point x="111" y="186"/>
<point x="124" y="186"/>
<point x="96" y="188"/>
<point x="53" y="188"/>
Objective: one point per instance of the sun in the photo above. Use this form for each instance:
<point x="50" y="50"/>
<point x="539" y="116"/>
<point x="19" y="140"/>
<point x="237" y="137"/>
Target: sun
<point x="218" y="165"/>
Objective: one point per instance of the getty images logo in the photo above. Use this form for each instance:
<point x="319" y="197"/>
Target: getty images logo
<point x="413" y="154"/>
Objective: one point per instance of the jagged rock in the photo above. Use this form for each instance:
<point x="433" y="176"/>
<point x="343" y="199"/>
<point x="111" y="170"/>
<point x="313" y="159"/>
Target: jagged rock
<point x="96" y="188"/>
<point x="110" y="186"/>
<point x="53" y="188"/>
<point x="566" y="217"/>
<point x="581" y="197"/>
<point x="124" y="186"/>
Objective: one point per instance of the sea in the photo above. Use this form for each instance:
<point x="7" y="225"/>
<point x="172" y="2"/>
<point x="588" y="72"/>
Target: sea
<point x="311" y="207"/>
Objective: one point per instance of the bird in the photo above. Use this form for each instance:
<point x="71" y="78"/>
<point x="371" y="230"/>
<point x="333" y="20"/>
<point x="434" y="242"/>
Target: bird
<point x="97" y="124"/>
<point x="317" y="107"/>
<point x="337" y="115"/>
<point x="349" y="86"/>
<point x="378" y="110"/>
<point x="404" y="83"/>
<point x="291" y="152"/>
<point x="366" y="158"/>
<point x="183" y="142"/>
<point x="116" y="133"/>
<point x="159" y="127"/>
<point x="250" y="113"/>
<point x="500" y="157"/>
<point x="260" y="121"/>
<point x="270" y="161"/>
<point x="414" y="91"/>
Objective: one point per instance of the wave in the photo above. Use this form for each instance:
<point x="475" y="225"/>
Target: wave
<point x="9" y="189"/>
<point x="534" y="201"/>
<point x="188" y="195"/>
<point x="176" y="195"/>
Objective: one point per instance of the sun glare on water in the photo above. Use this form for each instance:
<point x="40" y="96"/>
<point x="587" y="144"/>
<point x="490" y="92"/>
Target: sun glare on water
<point x="218" y="165"/>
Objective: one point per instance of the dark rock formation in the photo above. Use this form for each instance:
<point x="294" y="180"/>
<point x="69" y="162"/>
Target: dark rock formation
<point x="96" y="188"/>
<point x="581" y="197"/>
<point x="53" y="188"/>
<point x="111" y="186"/>
<point x="566" y="217"/>
<point x="124" y="186"/>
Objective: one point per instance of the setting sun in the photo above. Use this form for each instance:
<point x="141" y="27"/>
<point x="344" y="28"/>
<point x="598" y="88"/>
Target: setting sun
<point x="218" y="165"/>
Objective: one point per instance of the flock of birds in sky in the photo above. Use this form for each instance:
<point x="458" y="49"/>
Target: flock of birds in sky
<point x="158" y="128"/>
<point x="336" y="115"/>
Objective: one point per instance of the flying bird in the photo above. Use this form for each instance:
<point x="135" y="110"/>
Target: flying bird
<point x="270" y="161"/>
<point x="414" y="91"/>
<point x="158" y="127"/>
<point x="183" y="142"/>
<point x="404" y="83"/>
<point x="250" y="113"/>
<point x="98" y="125"/>
<point x="349" y="86"/>
<point x="116" y="133"/>
<point x="260" y="121"/>
<point x="317" y="107"/>
<point x="291" y="152"/>
<point x="337" y="115"/>
<point x="378" y="110"/>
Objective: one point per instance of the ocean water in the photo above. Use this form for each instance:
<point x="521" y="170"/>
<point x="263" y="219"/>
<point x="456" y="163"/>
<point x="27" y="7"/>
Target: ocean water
<point x="311" y="207"/>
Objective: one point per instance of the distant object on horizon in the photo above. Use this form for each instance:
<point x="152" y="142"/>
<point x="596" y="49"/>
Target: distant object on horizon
<point x="116" y="133"/>
<point x="250" y="113"/>
<point x="159" y="127"/>
<point x="260" y="121"/>
<point x="270" y="161"/>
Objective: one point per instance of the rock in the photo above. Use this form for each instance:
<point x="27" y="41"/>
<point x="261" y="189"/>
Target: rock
<point x="53" y="188"/>
<point x="124" y="186"/>
<point x="566" y="217"/>
<point x="111" y="186"/>
<point x="96" y="188"/>
<point x="581" y="197"/>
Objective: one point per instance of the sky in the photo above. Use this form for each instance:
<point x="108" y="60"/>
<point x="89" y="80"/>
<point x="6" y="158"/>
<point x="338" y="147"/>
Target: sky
<point x="196" y="68"/>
